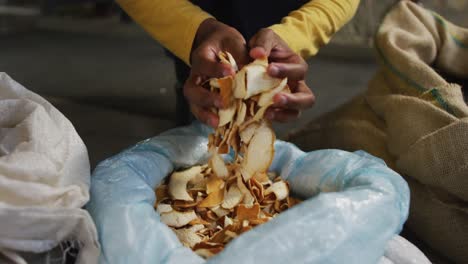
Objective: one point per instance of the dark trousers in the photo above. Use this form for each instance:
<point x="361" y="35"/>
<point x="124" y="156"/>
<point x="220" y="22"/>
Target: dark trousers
<point x="183" y="114"/>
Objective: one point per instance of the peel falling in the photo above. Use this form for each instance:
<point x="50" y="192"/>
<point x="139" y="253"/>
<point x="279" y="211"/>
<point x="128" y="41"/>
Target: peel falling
<point x="208" y="206"/>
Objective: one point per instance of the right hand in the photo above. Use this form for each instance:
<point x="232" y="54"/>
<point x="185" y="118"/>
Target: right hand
<point x="284" y="62"/>
<point x="212" y="37"/>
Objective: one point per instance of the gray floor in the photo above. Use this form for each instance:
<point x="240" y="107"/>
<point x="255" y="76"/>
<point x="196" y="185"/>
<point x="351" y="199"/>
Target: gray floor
<point x="116" y="84"/>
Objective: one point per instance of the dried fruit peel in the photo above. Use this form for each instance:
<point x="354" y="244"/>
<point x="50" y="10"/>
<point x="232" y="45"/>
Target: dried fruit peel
<point x="213" y="199"/>
<point x="218" y="166"/>
<point x="260" y="152"/>
<point x="258" y="80"/>
<point x="208" y="206"/>
<point x="178" y="183"/>
<point x="226" y="115"/>
<point x="233" y="197"/>
<point x="178" y="219"/>
<point x="225" y="87"/>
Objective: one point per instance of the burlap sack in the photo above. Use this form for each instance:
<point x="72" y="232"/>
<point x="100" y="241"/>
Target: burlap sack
<point x="415" y="120"/>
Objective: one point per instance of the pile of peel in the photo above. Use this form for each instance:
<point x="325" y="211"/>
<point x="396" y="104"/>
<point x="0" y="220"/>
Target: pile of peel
<point x="209" y="205"/>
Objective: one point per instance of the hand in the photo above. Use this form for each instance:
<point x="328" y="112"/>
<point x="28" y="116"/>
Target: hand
<point x="283" y="63"/>
<point x="212" y="37"/>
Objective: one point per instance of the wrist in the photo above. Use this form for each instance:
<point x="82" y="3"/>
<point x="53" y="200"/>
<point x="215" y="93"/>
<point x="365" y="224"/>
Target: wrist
<point x="206" y="27"/>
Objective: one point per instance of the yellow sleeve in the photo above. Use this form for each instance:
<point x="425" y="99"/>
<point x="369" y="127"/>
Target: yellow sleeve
<point x="307" y="29"/>
<point x="173" y="23"/>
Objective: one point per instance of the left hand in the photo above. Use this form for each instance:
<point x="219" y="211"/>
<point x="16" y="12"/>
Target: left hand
<point x="284" y="62"/>
<point x="212" y="37"/>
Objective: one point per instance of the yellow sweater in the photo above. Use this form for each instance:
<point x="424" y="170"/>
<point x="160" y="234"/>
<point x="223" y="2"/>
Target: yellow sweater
<point x="174" y="23"/>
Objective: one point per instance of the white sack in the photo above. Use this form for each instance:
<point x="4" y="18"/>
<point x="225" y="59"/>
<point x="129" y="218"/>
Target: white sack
<point x="401" y="251"/>
<point x="44" y="177"/>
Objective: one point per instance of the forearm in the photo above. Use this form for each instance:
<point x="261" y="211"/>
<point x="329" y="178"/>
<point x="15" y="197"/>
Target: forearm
<point x="307" y="29"/>
<point x="173" y="23"/>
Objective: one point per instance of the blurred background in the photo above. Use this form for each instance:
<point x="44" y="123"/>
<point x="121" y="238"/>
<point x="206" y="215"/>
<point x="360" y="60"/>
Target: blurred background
<point x="117" y="85"/>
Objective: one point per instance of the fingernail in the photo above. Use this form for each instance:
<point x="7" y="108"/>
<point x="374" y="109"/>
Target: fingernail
<point x="274" y="70"/>
<point x="282" y="100"/>
<point x="212" y="122"/>
<point x="198" y="80"/>
<point x="227" y="72"/>
<point x="270" y="115"/>
<point x="218" y="103"/>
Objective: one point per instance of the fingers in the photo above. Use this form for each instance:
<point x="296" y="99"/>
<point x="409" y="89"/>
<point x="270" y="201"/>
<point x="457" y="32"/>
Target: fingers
<point x="238" y="50"/>
<point x="201" y="101"/>
<point x="205" y="63"/>
<point x="287" y="107"/>
<point x="205" y="115"/>
<point x="285" y="63"/>
<point x="292" y="71"/>
<point x="258" y="53"/>
<point x="200" y="96"/>
<point x="262" y="43"/>
<point x="301" y="99"/>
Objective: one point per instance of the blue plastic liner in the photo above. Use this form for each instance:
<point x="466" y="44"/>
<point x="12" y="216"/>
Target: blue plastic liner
<point x="354" y="205"/>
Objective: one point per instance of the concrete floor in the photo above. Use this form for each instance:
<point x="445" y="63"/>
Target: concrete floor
<point x="116" y="84"/>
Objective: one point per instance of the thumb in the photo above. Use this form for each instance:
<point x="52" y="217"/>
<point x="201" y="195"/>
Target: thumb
<point x="262" y="43"/>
